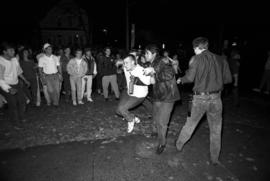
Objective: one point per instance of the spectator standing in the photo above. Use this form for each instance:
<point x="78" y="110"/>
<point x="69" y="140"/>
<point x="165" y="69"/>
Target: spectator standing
<point x="90" y="75"/>
<point x="10" y="71"/>
<point x="77" y="68"/>
<point x="108" y="73"/>
<point x="64" y="59"/>
<point x="30" y="73"/>
<point x="50" y="71"/>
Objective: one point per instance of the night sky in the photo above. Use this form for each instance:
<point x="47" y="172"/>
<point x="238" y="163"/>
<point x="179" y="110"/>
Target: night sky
<point x="165" y="20"/>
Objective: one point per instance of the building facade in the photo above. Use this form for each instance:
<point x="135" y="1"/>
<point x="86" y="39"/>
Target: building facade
<point x="66" y="24"/>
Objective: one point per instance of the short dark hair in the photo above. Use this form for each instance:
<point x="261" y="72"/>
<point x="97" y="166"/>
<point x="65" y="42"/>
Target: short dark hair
<point x="132" y="57"/>
<point x="87" y="49"/>
<point x="200" y="42"/>
<point x="5" y="46"/>
<point x="152" y="48"/>
<point x="78" y="50"/>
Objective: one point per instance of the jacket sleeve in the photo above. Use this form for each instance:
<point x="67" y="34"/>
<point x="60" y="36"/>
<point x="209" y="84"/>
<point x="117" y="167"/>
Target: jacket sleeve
<point x="191" y="72"/>
<point x="85" y="68"/>
<point x="164" y="71"/>
<point x="69" y="67"/>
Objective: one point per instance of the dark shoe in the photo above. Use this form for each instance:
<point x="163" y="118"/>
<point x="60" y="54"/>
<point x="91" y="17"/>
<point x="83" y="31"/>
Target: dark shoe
<point x="117" y="98"/>
<point x="160" y="149"/>
<point x="106" y="99"/>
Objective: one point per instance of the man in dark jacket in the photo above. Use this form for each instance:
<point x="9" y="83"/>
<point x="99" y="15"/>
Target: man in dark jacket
<point x="108" y="72"/>
<point x="209" y="72"/>
<point x="165" y="92"/>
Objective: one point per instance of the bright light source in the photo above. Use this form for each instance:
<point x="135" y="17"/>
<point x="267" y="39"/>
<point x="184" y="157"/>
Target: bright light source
<point x="163" y="45"/>
<point x="234" y="44"/>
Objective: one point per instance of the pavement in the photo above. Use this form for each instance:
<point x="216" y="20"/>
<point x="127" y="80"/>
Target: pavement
<point x="244" y="156"/>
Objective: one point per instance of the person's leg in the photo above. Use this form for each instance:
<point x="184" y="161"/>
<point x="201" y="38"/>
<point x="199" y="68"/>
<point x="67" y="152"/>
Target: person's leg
<point x="12" y="105"/>
<point x="20" y="101"/>
<point x="113" y="80"/>
<point x="33" y="87"/>
<point x="55" y="89"/>
<point x="214" y="117"/>
<point x="105" y="85"/>
<point x="164" y="113"/>
<point x="50" y="89"/>
<point x="197" y="111"/>
<point x="79" y="89"/>
<point x="73" y="90"/>
<point x="38" y="92"/>
<point x="89" y="87"/>
<point x="84" y="81"/>
<point x="125" y="104"/>
<point x="66" y="85"/>
<point x="46" y="95"/>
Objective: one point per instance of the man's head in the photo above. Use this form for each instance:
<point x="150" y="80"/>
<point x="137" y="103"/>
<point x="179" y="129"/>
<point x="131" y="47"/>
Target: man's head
<point x="200" y="44"/>
<point x="7" y="50"/>
<point x="67" y="51"/>
<point x="151" y="51"/>
<point x="88" y="52"/>
<point x="78" y="53"/>
<point x="47" y="49"/>
<point x="107" y="51"/>
<point x="130" y="62"/>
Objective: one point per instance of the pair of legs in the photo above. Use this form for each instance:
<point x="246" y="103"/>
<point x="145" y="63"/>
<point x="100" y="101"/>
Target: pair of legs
<point x="76" y="89"/>
<point x="31" y="92"/>
<point x="126" y="103"/>
<point x="212" y="106"/>
<point x="88" y="79"/>
<point x="53" y="89"/>
<point x="16" y="103"/>
<point x="66" y="85"/>
<point x="106" y="81"/>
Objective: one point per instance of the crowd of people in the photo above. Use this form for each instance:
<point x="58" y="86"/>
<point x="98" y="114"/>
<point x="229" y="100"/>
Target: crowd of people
<point x="148" y="77"/>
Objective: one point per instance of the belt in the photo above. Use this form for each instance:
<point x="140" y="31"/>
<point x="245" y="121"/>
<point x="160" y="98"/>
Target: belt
<point x="206" y="93"/>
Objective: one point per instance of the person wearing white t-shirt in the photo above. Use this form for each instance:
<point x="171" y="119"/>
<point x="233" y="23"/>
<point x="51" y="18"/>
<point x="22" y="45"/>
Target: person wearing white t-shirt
<point x="50" y="71"/>
<point x="10" y="72"/>
<point x="137" y="90"/>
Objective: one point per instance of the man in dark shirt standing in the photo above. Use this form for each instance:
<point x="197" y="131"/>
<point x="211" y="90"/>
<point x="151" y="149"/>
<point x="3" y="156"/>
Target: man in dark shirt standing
<point x="209" y="72"/>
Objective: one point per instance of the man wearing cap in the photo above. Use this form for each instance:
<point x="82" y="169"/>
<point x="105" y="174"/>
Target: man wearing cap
<point x="209" y="72"/>
<point x="50" y="70"/>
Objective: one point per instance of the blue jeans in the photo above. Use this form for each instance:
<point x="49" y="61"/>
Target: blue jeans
<point x="126" y="103"/>
<point x="53" y="86"/>
<point x="212" y="106"/>
<point x="161" y="117"/>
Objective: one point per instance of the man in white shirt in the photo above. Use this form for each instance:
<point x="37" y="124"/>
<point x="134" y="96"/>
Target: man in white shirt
<point x="10" y="71"/>
<point x="50" y="71"/>
<point x="137" y="90"/>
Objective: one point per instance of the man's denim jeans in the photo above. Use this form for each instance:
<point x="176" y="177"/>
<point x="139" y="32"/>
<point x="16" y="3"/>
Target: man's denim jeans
<point x="212" y="106"/>
<point x="126" y="103"/>
<point x="53" y="86"/>
<point x="161" y="117"/>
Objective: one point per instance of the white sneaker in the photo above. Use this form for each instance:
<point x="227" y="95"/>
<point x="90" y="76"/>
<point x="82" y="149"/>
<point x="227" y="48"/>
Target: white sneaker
<point x="74" y="103"/>
<point x="137" y="120"/>
<point x="130" y="126"/>
<point x="80" y="102"/>
<point x="90" y="99"/>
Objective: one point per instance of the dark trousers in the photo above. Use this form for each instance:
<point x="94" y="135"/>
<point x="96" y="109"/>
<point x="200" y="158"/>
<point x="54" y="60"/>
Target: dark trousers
<point x="31" y="92"/>
<point x="161" y="117"/>
<point x="66" y="85"/>
<point x="212" y="106"/>
<point x="16" y="103"/>
<point x="126" y="103"/>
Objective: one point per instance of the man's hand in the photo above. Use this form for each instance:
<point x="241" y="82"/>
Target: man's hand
<point x="178" y="81"/>
<point x="12" y="91"/>
<point x="149" y="71"/>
